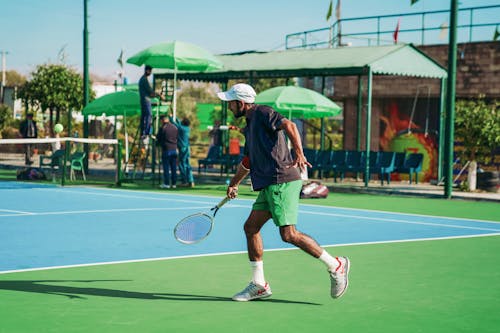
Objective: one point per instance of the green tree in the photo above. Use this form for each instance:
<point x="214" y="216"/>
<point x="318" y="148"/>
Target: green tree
<point x="14" y="78"/>
<point x="54" y="87"/>
<point x="5" y="117"/>
<point x="477" y="125"/>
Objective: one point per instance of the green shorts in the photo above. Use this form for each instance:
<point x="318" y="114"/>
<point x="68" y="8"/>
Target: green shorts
<point x="282" y="201"/>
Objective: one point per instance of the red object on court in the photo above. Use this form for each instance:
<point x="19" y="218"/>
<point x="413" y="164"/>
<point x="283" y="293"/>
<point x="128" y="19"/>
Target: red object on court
<point x="234" y="147"/>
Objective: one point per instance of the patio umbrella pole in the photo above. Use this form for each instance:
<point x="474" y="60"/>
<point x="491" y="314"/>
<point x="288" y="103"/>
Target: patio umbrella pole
<point x="174" y="94"/>
<point x="126" y="142"/>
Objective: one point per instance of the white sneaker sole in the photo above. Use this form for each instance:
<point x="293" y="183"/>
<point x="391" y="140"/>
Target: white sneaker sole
<point x="347" y="267"/>
<point x="251" y="299"/>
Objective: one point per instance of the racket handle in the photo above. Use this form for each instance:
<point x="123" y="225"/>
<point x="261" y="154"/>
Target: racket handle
<point x="223" y="202"/>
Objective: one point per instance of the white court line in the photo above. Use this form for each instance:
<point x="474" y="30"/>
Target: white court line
<point x="114" y="210"/>
<point x="407" y="214"/>
<point x="128" y="196"/>
<point x="379" y="219"/>
<point x="252" y="200"/>
<point x="18" y="212"/>
<point x="239" y="252"/>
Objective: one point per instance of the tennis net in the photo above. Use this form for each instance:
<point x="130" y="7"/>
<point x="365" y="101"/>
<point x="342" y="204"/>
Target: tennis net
<point x="65" y="160"/>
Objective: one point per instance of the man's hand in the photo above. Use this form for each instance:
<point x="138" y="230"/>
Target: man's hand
<point x="232" y="192"/>
<point x="301" y="162"/>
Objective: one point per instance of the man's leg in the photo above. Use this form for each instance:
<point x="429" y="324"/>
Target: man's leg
<point x="165" y="165"/>
<point x="257" y="288"/>
<point x="252" y="227"/>
<point x="182" y="166"/>
<point x="173" y="168"/>
<point x="291" y="235"/>
<point x="284" y="202"/>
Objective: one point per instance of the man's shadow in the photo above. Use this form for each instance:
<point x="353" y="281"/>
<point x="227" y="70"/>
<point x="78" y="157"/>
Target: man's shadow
<point x="53" y="287"/>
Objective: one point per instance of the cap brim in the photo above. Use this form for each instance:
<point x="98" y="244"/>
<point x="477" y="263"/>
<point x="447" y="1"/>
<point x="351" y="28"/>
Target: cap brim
<point x="225" y="96"/>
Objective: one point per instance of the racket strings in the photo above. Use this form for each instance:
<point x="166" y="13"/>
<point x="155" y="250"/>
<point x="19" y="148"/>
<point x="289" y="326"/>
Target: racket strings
<point x="193" y="228"/>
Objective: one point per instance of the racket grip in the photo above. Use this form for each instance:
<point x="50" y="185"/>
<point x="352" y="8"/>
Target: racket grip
<point x="223" y="202"/>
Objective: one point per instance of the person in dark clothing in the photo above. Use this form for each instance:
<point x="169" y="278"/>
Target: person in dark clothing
<point x="109" y="133"/>
<point x="167" y="139"/>
<point x="145" y="93"/>
<point x="215" y="135"/>
<point x="275" y="174"/>
<point x="183" y="146"/>
<point x="28" y="130"/>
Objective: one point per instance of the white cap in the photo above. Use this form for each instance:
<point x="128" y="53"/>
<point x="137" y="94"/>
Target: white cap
<point x="238" y="92"/>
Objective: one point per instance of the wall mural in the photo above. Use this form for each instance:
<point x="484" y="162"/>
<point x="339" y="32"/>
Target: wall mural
<point x="403" y="131"/>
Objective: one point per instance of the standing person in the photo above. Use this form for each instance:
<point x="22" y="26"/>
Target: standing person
<point x="185" y="169"/>
<point x="274" y="173"/>
<point x="215" y="134"/>
<point x="28" y="130"/>
<point x="109" y="133"/>
<point x="167" y="139"/>
<point x="145" y="93"/>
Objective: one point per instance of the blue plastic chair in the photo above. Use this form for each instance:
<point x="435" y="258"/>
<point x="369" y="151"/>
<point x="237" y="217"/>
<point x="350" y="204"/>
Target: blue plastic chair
<point x="338" y="162"/>
<point x="213" y="157"/>
<point x="385" y="165"/>
<point x="323" y="162"/>
<point x="413" y="165"/>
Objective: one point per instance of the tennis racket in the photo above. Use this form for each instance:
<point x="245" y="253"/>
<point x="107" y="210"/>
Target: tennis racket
<point x="196" y="227"/>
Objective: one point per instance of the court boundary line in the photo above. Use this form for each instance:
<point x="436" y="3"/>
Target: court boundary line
<point x="242" y="252"/>
<point x="111" y="211"/>
<point x="251" y="200"/>
<point x="388" y="220"/>
<point x="199" y="208"/>
<point x="19" y="212"/>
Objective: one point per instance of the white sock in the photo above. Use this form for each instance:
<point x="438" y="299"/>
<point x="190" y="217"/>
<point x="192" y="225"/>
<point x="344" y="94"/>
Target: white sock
<point x="329" y="261"/>
<point x="258" y="272"/>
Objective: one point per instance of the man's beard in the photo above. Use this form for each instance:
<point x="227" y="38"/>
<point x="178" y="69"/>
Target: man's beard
<point x="239" y="112"/>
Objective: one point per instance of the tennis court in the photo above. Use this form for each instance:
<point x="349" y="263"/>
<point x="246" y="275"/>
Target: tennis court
<point x="119" y="267"/>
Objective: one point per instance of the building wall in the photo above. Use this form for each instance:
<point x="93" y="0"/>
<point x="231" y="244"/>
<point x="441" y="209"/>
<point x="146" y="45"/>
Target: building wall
<point x="478" y="73"/>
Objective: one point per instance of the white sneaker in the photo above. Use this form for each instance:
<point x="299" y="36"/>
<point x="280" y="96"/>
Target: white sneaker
<point x="340" y="277"/>
<point x="253" y="291"/>
<point x="164" y="186"/>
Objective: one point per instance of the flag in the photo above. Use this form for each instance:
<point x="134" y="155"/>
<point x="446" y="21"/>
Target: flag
<point x="413" y="2"/>
<point x="329" y="13"/>
<point x="444" y="31"/>
<point x="337" y="10"/>
<point x="120" y="59"/>
<point x="496" y="34"/>
<point x="396" y="33"/>
<point x="61" y="55"/>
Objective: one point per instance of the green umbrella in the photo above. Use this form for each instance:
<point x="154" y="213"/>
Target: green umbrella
<point x="298" y="102"/>
<point x="178" y="56"/>
<point x="121" y="103"/>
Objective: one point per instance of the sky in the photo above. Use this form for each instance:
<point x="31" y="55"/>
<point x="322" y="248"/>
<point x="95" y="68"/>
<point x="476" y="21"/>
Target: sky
<point x="35" y="32"/>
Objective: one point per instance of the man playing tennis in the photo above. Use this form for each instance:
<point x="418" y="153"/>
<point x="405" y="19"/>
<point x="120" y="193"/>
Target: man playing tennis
<point x="275" y="174"/>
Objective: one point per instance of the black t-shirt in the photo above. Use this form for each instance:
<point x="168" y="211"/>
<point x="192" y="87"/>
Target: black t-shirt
<point x="267" y="149"/>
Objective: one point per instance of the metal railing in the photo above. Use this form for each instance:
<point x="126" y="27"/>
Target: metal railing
<point x="474" y="25"/>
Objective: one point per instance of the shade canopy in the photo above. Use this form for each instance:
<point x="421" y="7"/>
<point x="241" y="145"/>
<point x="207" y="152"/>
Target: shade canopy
<point x="176" y="55"/>
<point x="298" y="102"/>
<point x="403" y="60"/>
<point x="121" y="103"/>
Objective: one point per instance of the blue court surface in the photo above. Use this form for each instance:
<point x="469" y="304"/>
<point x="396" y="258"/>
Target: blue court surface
<point x="49" y="226"/>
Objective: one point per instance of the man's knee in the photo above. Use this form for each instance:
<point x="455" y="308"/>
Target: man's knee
<point x="289" y="234"/>
<point x="250" y="228"/>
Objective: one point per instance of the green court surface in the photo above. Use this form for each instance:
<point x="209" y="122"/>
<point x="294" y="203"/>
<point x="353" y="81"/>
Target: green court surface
<point x="449" y="285"/>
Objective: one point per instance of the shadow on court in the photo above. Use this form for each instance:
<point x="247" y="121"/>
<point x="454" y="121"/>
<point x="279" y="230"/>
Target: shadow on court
<point x="46" y="287"/>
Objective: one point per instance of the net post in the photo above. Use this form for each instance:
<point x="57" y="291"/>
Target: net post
<point x="65" y="161"/>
